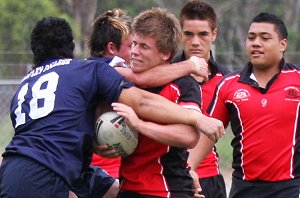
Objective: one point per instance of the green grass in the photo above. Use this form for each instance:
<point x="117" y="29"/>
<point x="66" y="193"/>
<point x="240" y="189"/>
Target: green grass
<point x="225" y="150"/>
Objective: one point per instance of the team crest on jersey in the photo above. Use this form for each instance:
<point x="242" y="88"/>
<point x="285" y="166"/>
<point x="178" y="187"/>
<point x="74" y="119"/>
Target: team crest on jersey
<point x="241" y="95"/>
<point x="292" y="94"/>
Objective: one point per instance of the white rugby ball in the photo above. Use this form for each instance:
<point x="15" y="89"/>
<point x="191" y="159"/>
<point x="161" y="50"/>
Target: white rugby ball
<point x="114" y="132"/>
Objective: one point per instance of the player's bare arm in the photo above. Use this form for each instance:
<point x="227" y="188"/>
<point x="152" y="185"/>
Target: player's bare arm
<point x="211" y="127"/>
<point x="166" y="73"/>
<point x="177" y="135"/>
<point x="200" y="151"/>
<point x="158" y="109"/>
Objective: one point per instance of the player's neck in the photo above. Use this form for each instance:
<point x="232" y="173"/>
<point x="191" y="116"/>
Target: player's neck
<point x="263" y="76"/>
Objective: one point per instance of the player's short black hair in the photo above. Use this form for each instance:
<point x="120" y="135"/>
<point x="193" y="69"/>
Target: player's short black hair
<point x="52" y="37"/>
<point x="280" y="27"/>
<point x="198" y="10"/>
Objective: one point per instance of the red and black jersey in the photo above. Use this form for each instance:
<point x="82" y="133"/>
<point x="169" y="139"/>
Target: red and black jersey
<point x="158" y="169"/>
<point x="209" y="166"/>
<point x="265" y="123"/>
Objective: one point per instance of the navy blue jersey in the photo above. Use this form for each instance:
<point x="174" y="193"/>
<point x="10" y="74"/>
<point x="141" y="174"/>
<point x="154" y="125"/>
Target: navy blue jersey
<point x="53" y="112"/>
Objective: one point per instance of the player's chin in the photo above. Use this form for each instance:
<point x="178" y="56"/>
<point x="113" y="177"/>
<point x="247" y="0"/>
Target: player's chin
<point x="136" y="68"/>
<point x="195" y="54"/>
<point x="257" y="62"/>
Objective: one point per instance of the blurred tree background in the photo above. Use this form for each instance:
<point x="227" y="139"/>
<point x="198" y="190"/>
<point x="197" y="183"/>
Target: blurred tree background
<point x="234" y="16"/>
<point x="18" y="18"/>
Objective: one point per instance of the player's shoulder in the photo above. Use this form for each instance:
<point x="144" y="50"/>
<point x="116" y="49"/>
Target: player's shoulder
<point x="291" y="66"/>
<point x="187" y="84"/>
<point x="223" y="70"/>
<point x="228" y="79"/>
<point x="185" y="80"/>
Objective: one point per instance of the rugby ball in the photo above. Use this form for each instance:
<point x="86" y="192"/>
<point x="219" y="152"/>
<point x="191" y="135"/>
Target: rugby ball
<point x="112" y="130"/>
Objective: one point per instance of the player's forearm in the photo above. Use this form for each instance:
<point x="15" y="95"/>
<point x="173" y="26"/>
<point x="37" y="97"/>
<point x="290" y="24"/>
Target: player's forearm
<point x="162" y="74"/>
<point x="177" y="135"/>
<point x="200" y="151"/>
<point x="155" y="108"/>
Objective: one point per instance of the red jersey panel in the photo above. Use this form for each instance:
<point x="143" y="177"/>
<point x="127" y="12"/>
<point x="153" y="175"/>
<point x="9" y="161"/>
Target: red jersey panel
<point x="110" y="165"/>
<point x="158" y="169"/>
<point x="265" y="123"/>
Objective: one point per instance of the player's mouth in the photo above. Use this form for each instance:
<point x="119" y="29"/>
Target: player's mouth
<point x="256" y="53"/>
<point x="135" y="61"/>
<point x="195" y="51"/>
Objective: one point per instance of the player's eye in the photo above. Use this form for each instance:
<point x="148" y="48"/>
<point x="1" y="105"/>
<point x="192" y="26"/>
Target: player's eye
<point x="203" y="34"/>
<point x="188" y="34"/>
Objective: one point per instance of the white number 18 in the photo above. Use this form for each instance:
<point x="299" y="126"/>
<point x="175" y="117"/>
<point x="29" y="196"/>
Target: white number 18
<point x="47" y="94"/>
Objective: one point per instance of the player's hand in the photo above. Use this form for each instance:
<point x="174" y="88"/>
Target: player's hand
<point x="197" y="186"/>
<point x="211" y="127"/>
<point x="131" y="119"/>
<point x="105" y="151"/>
<point x="201" y="67"/>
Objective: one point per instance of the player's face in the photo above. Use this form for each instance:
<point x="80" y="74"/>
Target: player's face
<point x="197" y="38"/>
<point x="145" y="54"/>
<point x="125" y="49"/>
<point x="264" y="47"/>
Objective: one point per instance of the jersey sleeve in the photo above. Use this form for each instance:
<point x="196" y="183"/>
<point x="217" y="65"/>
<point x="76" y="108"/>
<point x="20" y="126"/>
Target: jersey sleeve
<point x="110" y="82"/>
<point x="217" y="107"/>
<point x="190" y="95"/>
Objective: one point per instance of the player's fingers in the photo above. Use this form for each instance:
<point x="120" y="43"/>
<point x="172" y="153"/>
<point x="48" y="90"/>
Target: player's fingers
<point x="103" y="147"/>
<point x="222" y="131"/>
<point x="212" y="137"/>
<point x="205" y="78"/>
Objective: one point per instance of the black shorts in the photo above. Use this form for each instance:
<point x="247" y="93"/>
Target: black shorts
<point x="213" y="187"/>
<point x="261" y="189"/>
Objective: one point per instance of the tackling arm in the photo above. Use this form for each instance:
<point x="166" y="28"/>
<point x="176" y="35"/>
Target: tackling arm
<point x="166" y="73"/>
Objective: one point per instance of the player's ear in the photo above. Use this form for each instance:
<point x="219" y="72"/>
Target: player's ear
<point x="214" y="34"/>
<point x="166" y="56"/>
<point x="283" y="45"/>
<point x="111" y="48"/>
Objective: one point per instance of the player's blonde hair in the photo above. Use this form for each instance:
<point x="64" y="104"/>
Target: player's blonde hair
<point x="162" y="25"/>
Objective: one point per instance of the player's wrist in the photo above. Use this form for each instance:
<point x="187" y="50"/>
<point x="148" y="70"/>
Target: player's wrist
<point x="196" y="64"/>
<point x="194" y="118"/>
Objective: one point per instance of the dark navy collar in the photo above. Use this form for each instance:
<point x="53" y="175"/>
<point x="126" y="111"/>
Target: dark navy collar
<point x="247" y="71"/>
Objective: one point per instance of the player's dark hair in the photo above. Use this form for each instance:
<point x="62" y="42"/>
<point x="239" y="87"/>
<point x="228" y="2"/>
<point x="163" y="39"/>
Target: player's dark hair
<point x="198" y="10"/>
<point x="111" y="26"/>
<point x="279" y="25"/>
<point x="51" y="38"/>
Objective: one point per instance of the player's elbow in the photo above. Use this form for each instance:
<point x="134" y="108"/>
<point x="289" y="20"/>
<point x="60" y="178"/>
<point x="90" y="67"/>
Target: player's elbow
<point x="193" y="140"/>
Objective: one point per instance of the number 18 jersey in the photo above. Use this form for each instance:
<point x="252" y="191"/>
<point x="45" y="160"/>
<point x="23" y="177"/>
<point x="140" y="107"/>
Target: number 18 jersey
<point x="53" y="112"/>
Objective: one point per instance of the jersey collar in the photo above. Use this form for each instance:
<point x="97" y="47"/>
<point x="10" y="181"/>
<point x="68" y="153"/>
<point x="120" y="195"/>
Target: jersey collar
<point x="246" y="76"/>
